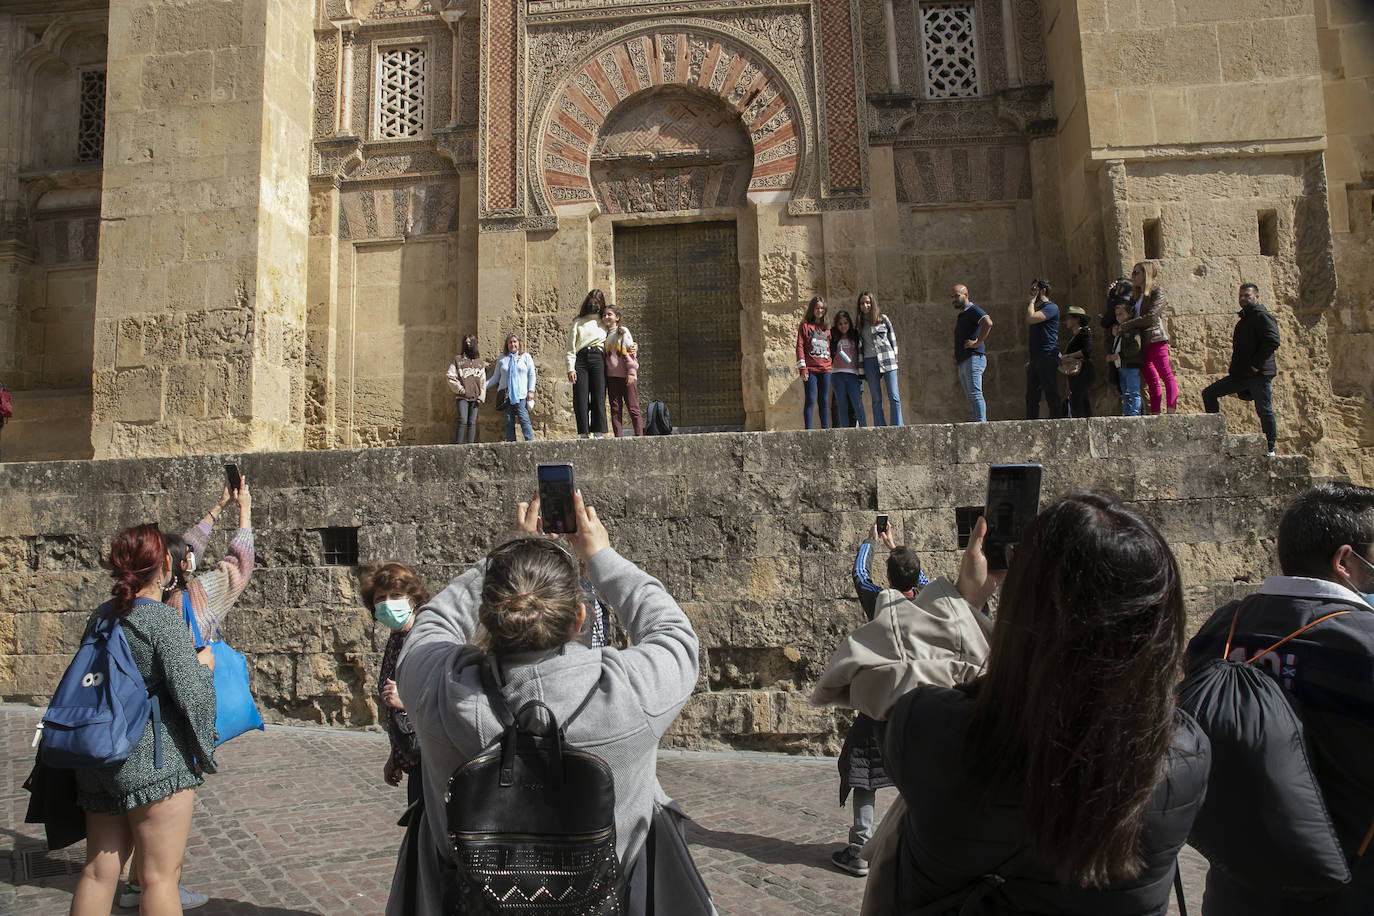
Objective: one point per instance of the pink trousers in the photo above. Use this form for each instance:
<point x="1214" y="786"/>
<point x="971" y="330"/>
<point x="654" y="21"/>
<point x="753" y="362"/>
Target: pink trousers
<point x="1156" y="367"/>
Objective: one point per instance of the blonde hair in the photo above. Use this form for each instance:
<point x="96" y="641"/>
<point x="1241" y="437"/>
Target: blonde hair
<point x="531" y="596"/>
<point x="1149" y="281"/>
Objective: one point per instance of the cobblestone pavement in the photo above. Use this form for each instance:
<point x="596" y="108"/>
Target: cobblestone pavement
<point x="298" y="821"/>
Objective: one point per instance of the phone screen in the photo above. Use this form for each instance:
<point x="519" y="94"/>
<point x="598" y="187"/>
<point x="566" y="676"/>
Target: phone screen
<point x="1013" y="500"/>
<point x="882" y="524"/>
<point x="556" y="498"/>
<point x="231" y="477"/>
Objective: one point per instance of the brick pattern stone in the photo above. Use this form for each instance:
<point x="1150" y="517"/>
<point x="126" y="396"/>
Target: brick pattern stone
<point x="845" y="149"/>
<point x="501" y="113"/>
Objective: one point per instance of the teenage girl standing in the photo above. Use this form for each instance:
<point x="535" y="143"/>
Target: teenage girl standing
<point x="880" y="359"/>
<point x="587" y="366"/>
<point x="813" y="362"/>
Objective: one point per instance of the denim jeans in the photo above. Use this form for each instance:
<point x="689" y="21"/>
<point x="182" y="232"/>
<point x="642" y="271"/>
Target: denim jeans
<point x="848" y="398"/>
<point x="1128" y="380"/>
<point x="971" y="377"/>
<point x="862" y="830"/>
<point x="518" y="409"/>
<point x="816" y="385"/>
<point x="1260" y="389"/>
<point x="467" y="421"/>
<point x="876" y="382"/>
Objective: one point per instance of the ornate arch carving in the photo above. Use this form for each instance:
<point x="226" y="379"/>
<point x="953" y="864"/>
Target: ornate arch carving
<point x="702" y="56"/>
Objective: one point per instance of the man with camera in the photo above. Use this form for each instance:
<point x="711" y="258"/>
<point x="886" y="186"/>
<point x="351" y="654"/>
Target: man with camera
<point x="1042" y="364"/>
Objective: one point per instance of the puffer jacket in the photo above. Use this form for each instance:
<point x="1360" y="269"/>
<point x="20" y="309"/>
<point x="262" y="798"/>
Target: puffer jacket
<point x="1253" y="343"/>
<point x="955" y="830"/>
<point x="1150" y="321"/>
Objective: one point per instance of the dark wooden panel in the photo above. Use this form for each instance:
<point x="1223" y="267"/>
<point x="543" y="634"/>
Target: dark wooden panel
<point x="679" y="288"/>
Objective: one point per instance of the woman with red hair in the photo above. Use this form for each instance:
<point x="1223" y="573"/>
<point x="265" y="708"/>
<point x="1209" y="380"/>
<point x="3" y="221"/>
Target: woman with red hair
<point x="135" y="802"/>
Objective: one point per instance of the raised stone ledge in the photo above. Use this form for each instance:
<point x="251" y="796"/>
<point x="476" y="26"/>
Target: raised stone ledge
<point x="753" y="533"/>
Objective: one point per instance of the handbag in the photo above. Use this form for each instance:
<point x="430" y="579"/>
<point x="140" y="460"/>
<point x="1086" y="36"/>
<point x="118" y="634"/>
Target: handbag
<point x="235" y="711"/>
<point x="403" y="736"/>
<point x="1070" y="367"/>
<point x="675" y="883"/>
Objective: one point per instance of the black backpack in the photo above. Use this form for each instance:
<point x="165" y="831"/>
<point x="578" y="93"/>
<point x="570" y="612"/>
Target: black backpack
<point x="1264" y="820"/>
<point x="531" y="821"/>
<point x="656" y="420"/>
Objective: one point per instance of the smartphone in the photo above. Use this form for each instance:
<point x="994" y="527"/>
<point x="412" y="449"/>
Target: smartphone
<point x="882" y="524"/>
<point x="1013" y="501"/>
<point x="556" y="498"/>
<point x="232" y="477"/>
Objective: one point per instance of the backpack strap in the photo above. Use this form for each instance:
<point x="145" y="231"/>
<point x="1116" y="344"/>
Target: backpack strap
<point x="155" y="700"/>
<point x="1229" y="636"/>
<point x="1178" y="890"/>
<point x="1368" y="835"/>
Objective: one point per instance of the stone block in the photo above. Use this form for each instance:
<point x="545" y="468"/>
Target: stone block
<point x="1257" y="111"/>
<point x="174" y="80"/>
<point x="1186" y="11"/>
<point x="1268" y="49"/>
<point x="1185" y="55"/>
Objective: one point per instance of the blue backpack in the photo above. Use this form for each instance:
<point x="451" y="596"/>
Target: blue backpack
<point x="101" y="705"/>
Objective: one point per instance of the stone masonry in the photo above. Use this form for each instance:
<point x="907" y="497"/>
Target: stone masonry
<point x="753" y="533"/>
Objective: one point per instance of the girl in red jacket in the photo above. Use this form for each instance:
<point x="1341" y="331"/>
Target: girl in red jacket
<point x="813" y="362"/>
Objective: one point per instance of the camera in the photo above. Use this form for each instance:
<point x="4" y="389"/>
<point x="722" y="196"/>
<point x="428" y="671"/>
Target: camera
<point x="1039" y="285"/>
<point x="1120" y="291"/>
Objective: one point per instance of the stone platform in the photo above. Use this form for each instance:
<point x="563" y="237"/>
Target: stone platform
<point x="298" y="821"/>
<point x="753" y="533"/>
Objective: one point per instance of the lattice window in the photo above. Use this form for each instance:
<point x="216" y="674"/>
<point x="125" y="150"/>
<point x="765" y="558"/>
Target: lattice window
<point x="90" y="131"/>
<point x="401" y="94"/>
<point x="950" y="40"/>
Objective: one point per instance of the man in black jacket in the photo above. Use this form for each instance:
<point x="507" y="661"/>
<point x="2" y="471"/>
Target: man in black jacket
<point x="1253" y="343"/>
<point x="1326" y="552"/>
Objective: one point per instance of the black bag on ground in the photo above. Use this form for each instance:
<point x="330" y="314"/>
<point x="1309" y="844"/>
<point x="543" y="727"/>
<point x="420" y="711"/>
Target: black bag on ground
<point x="531" y="822"/>
<point x="656" y="420"/>
<point x="1264" y="820"/>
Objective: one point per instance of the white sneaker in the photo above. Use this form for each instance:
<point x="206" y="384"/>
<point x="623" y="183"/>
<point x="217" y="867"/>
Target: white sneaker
<point x="131" y="894"/>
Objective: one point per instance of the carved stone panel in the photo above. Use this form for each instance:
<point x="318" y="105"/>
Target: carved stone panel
<point x="962" y="174"/>
<point x="672" y="150"/>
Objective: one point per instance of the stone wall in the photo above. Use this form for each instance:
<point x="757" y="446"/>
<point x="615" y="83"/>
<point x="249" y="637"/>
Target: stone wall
<point x="753" y="533"/>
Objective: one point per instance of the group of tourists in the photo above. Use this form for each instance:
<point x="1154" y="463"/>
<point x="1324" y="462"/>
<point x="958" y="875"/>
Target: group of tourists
<point x="1137" y="346"/>
<point x="843" y="354"/>
<point x="1042" y="760"/>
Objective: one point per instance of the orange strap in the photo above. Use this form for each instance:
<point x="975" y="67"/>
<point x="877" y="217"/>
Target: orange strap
<point x="1234" y="617"/>
<point x="1369" y="835"/>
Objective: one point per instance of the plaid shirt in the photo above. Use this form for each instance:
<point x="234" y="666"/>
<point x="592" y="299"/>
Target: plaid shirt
<point x="884" y="346"/>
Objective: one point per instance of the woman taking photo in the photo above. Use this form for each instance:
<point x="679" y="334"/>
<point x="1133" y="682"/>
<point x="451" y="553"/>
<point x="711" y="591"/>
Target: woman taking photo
<point x="467" y="379"/>
<point x="880" y="359"/>
<point x="1149" y="308"/>
<point x="394" y="592"/>
<point x="1079" y="353"/>
<point x="1063" y="781"/>
<point x="514" y="380"/>
<point x="813" y="362"/>
<point x="846" y="362"/>
<point x="134" y="802"/>
<point x="587" y="366"/>
<point x="622" y="371"/>
<point x="209" y="596"/>
<point x="527" y="602"/>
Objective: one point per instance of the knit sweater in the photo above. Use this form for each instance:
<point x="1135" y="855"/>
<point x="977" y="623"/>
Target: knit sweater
<point x="214" y="592"/>
<point x="637" y="693"/>
<point x="162" y="651"/>
<point x="587" y="331"/>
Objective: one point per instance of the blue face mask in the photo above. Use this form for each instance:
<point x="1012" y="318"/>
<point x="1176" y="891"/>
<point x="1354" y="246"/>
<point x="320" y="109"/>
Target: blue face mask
<point x="392" y="613"/>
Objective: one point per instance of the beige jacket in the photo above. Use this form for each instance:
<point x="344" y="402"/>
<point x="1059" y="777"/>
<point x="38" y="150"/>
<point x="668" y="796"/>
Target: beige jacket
<point x="934" y="638"/>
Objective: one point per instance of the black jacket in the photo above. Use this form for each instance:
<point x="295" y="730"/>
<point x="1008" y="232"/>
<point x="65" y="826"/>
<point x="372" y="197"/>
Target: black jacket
<point x="1253" y="343"/>
<point x="956" y="830"/>
<point x="1328" y="673"/>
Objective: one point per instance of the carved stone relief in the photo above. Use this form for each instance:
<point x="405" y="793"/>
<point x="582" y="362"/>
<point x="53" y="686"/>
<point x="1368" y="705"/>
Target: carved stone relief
<point x="398" y="211"/>
<point x="962" y="174"/>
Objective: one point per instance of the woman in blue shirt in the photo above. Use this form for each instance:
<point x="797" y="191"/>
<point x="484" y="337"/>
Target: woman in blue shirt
<point x="514" y="379"/>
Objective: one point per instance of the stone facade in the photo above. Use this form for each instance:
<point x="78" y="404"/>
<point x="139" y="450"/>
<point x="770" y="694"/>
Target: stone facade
<point x="277" y="228"/>
<point x="753" y="533"/>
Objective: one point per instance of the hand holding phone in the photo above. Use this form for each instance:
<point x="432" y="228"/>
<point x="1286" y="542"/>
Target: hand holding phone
<point x="232" y="478"/>
<point x="557" y="513"/>
<point x="882" y="523"/>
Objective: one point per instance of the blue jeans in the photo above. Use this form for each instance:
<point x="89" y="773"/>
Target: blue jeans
<point x="518" y="409"/>
<point x="848" y="399"/>
<point x="817" y="388"/>
<point x="1128" y="380"/>
<point x="971" y="377"/>
<point x="467" y="422"/>
<point x="875" y="390"/>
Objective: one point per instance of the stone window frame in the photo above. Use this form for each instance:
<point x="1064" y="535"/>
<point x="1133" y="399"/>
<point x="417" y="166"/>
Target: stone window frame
<point x="980" y="76"/>
<point x="90" y="148"/>
<point x="381" y="46"/>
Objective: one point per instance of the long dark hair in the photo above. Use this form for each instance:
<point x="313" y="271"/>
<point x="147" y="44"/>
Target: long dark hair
<point x="876" y="311"/>
<point x="470" y="347"/>
<point x="811" y="310"/>
<point x="178" y="548"/>
<point x="594" y="303"/>
<point x="136" y="556"/>
<point x="1077" y="707"/>
<point x="835" y="335"/>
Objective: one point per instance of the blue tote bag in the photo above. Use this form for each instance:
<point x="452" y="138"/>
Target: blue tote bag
<point x="235" y="711"/>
